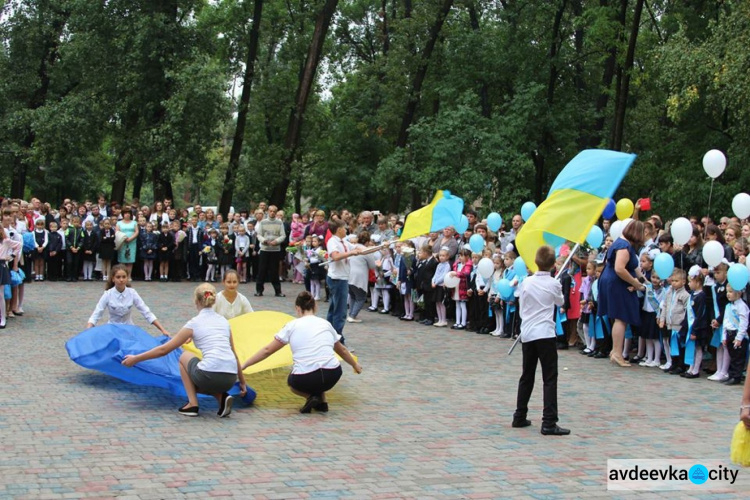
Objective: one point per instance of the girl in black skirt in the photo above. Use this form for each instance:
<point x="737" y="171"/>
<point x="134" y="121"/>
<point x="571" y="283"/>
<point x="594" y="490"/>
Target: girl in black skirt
<point x="107" y="248"/>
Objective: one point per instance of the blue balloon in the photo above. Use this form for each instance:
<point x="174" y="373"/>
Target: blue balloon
<point x="527" y="210"/>
<point x="463" y="225"/>
<point x="738" y="276"/>
<point x="609" y="210"/>
<point x="553" y="240"/>
<point x="494" y="221"/>
<point x="504" y="289"/>
<point x="476" y="243"/>
<point x="595" y="237"/>
<point x="664" y="265"/>
<point x="519" y="266"/>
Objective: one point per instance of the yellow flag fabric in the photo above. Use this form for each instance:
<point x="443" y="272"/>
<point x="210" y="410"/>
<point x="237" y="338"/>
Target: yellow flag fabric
<point x="252" y="331"/>
<point x="444" y="210"/>
<point x="740" y="448"/>
<point x="570" y="212"/>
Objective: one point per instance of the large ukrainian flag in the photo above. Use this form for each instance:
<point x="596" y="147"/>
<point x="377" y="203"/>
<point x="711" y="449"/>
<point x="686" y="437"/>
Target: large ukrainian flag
<point x="444" y="210"/>
<point x="575" y="200"/>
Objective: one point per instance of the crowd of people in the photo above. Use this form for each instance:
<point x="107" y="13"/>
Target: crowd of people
<point x="615" y="305"/>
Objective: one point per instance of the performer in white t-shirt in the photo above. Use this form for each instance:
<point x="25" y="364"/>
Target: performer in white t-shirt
<point x="313" y="342"/>
<point x="219" y="369"/>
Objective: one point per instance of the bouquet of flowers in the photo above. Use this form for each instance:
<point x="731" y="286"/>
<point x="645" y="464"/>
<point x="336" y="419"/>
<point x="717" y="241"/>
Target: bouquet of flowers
<point x="181" y="235"/>
<point x="226" y="244"/>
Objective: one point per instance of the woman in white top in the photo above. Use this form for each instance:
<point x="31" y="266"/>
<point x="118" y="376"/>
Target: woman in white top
<point x="230" y="303"/>
<point x="219" y="369"/>
<point x="313" y="342"/>
<point x="119" y="300"/>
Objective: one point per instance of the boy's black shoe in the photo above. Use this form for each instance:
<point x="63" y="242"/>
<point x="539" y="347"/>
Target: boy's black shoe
<point x="732" y="381"/>
<point x="678" y="370"/>
<point x="322" y="407"/>
<point x="258" y="294"/>
<point x="562" y="346"/>
<point x="517" y="422"/>
<point x="555" y="431"/>
<point x="505" y="336"/>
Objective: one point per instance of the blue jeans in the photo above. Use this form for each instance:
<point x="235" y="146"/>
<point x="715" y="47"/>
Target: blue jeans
<point x="337" y="304"/>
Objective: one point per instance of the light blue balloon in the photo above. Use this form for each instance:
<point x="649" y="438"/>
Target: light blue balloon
<point x="519" y="266"/>
<point x="463" y="225"/>
<point x="527" y="210"/>
<point x="738" y="276"/>
<point x="494" y="221"/>
<point x="595" y="237"/>
<point x="504" y="289"/>
<point x="553" y="240"/>
<point x="664" y="265"/>
<point x="476" y="243"/>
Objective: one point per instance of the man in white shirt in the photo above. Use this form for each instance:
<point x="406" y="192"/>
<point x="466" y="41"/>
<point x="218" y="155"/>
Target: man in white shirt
<point x="538" y="296"/>
<point x="339" y="251"/>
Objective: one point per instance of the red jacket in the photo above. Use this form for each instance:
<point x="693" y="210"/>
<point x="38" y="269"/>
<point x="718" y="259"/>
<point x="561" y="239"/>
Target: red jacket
<point x="463" y="275"/>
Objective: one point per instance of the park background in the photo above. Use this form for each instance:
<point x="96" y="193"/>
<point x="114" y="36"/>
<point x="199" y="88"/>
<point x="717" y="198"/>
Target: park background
<point x="369" y="103"/>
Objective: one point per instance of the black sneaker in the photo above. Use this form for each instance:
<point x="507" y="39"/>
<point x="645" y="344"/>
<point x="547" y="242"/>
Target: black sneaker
<point x="555" y="431"/>
<point x="311" y="403"/>
<point x="258" y="294"/>
<point x="520" y="422"/>
<point x="188" y="411"/>
<point x="280" y="295"/>
<point x="322" y="407"/>
<point x="225" y="408"/>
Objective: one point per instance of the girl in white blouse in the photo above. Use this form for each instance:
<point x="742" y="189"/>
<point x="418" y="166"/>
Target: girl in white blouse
<point x="230" y="303"/>
<point x="313" y="342"/>
<point x="219" y="369"/>
<point x="119" y="300"/>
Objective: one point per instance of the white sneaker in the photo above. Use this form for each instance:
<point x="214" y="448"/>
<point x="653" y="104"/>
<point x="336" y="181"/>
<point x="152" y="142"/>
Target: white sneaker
<point x="353" y="320"/>
<point x="712" y="377"/>
<point x="652" y="364"/>
<point x="643" y="363"/>
<point x="496" y="333"/>
<point x="666" y="366"/>
<point x="722" y="377"/>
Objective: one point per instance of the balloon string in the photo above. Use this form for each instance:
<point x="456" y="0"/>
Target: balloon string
<point x="708" y="213"/>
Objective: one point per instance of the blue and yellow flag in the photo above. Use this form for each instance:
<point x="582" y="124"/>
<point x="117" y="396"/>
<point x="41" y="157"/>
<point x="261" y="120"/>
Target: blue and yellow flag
<point x="575" y="200"/>
<point x="444" y="210"/>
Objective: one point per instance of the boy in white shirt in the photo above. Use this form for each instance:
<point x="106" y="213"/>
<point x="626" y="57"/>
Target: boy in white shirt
<point x="538" y="296"/>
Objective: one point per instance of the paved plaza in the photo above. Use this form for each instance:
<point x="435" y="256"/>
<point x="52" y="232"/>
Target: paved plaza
<point x="428" y="418"/>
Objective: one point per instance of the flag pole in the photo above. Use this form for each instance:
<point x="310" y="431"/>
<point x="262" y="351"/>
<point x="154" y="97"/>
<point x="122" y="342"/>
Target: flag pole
<point x="559" y="275"/>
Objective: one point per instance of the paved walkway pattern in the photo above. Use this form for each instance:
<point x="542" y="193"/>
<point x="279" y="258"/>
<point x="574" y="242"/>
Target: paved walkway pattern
<point x="429" y="418"/>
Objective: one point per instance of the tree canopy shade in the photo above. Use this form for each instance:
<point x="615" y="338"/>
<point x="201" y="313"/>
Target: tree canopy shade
<point x="369" y="103"/>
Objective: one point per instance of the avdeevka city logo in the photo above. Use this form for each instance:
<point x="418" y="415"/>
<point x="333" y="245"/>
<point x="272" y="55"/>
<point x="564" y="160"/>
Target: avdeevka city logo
<point x="698" y="474"/>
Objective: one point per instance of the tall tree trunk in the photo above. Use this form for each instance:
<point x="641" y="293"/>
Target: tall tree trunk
<point x="140" y="175"/>
<point x="622" y="100"/>
<point x="608" y="75"/>
<point x="162" y="185"/>
<point x="227" y="191"/>
<point x="484" y="91"/>
<point x="619" y="67"/>
<point x="296" y="117"/>
<point x="539" y="157"/>
<point x="416" y="90"/>
<point x="120" y="182"/>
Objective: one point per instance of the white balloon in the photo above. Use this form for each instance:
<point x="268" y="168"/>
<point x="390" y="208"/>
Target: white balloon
<point x="741" y="205"/>
<point x="485" y="268"/>
<point x="681" y="230"/>
<point x="615" y="229"/>
<point x="451" y="280"/>
<point x="713" y="252"/>
<point x="714" y="163"/>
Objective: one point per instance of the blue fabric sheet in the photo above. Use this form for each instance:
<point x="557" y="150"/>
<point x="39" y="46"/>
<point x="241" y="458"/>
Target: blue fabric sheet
<point x="103" y="348"/>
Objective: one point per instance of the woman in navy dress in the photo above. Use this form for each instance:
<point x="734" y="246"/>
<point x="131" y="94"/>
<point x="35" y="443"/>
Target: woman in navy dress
<point x="618" y="285"/>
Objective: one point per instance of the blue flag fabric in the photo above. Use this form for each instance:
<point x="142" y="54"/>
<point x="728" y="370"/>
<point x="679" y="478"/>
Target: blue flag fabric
<point x="103" y="348"/>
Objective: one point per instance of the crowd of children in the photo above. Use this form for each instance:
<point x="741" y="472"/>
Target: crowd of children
<point x="691" y="320"/>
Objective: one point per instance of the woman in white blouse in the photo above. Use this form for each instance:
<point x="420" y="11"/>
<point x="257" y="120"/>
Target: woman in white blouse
<point x="313" y="342"/>
<point x="119" y="300"/>
<point x="229" y="302"/>
<point x="219" y="368"/>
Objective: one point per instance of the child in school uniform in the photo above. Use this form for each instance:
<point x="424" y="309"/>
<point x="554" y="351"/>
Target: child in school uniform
<point x="462" y="267"/>
<point x="717" y="294"/>
<point x="106" y="247"/>
<point x="54" y="252"/>
<point x="424" y="273"/>
<point x="652" y="299"/>
<point x="41" y="240"/>
<point x="698" y="325"/>
<point x="441" y="270"/>
<point x="73" y="243"/>
<point x="538" y="296"/>
<point x="242" y="252"/>
<point x="734" y="336"/>
<point x="211" y="250"/>
<point x="673" y="317"/>
<point x="226" y="254"/>
<point x="149" y="247"/>
<point x="586" y="282"/>
<point x="477" y="305"/>
<point x="406" y="279"/>
<point x="561" y="318"/>
<point x="89" y="248"/>
<point x="166" y="250"/>
<point x="510" y="306"/>
<point x="495" y="303"/>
